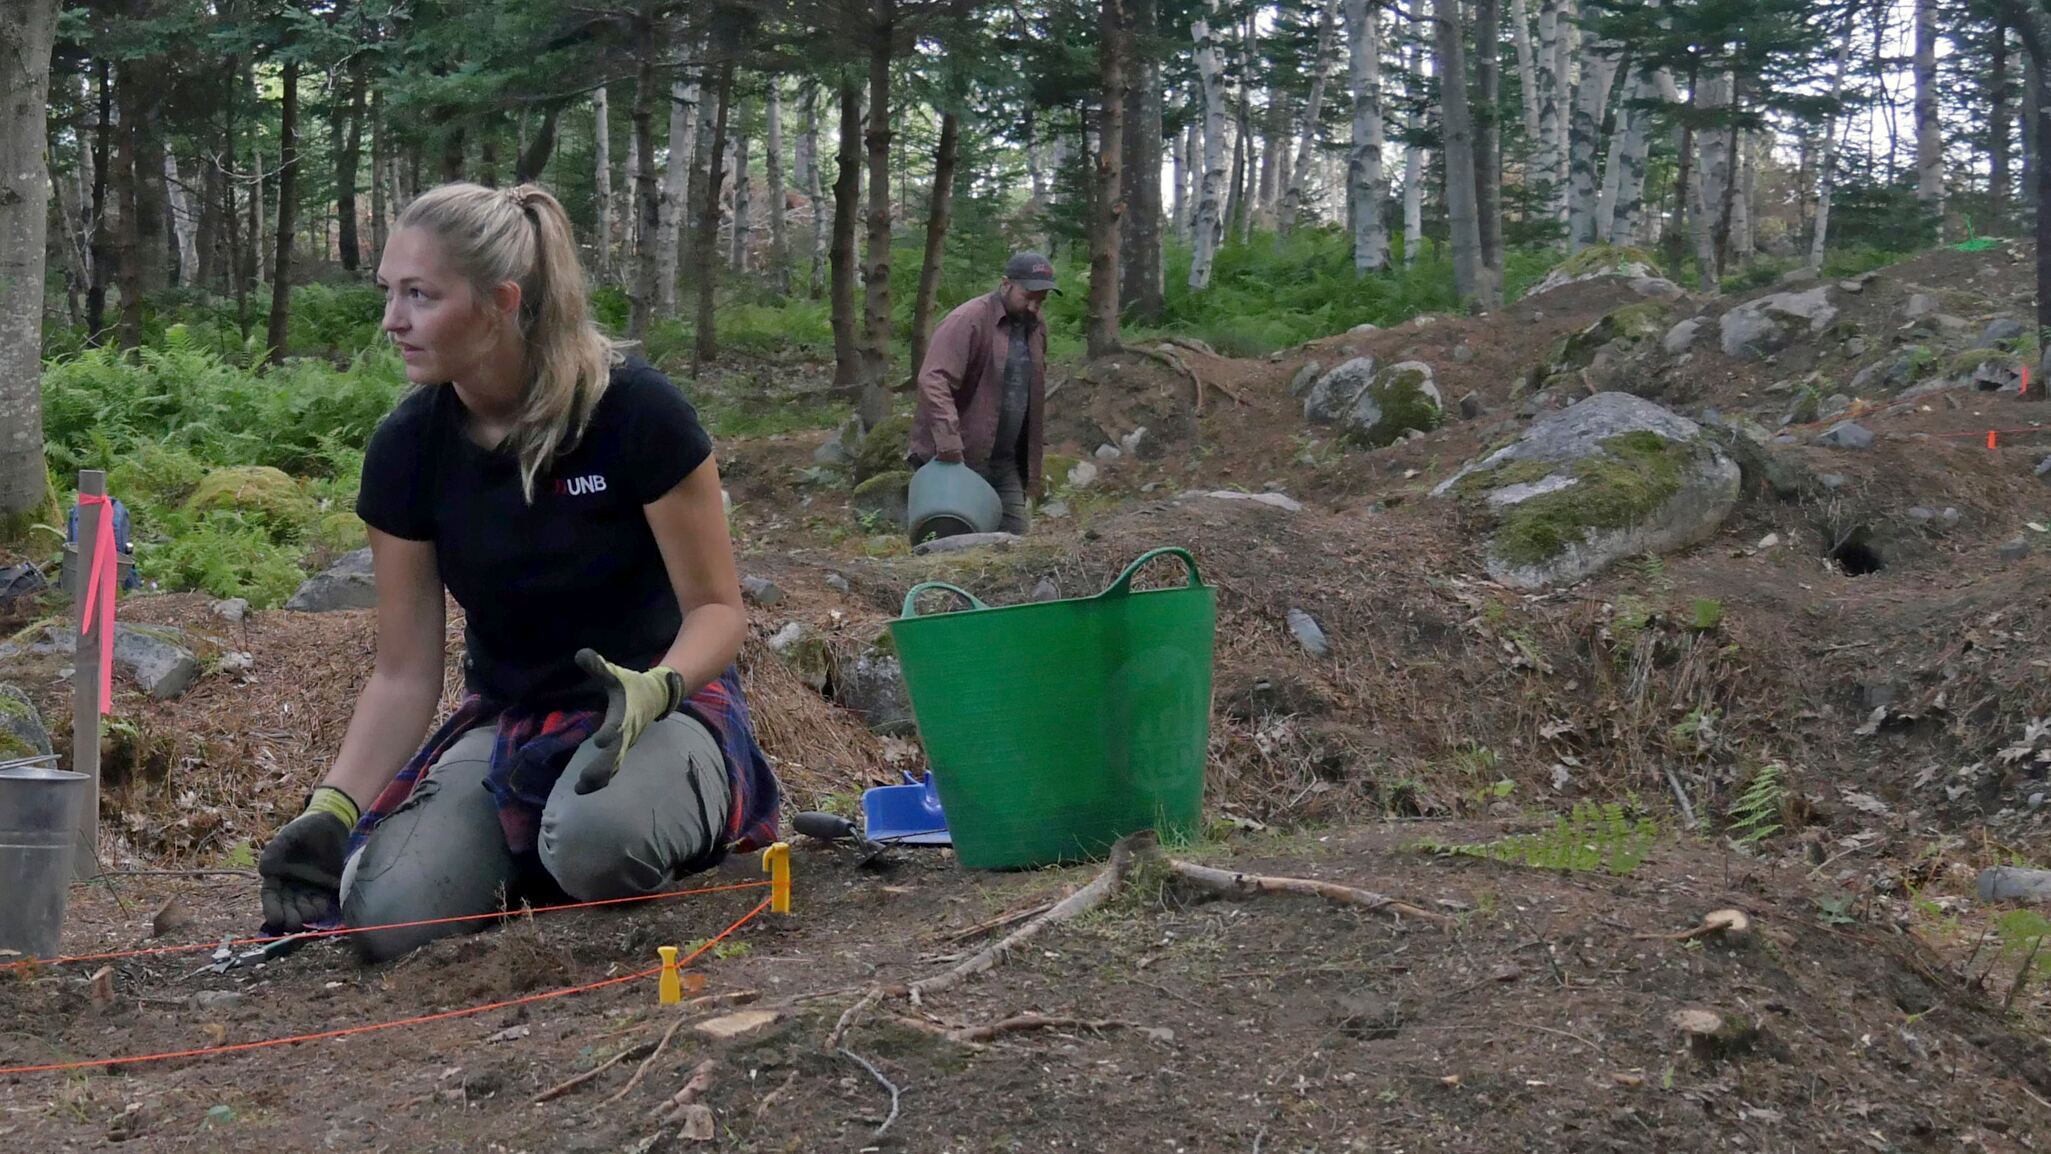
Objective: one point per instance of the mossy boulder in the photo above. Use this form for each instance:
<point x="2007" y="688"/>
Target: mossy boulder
<point x="21" y="727"/>
<point x="881" y="499"/>
<point x="337" y="531"/>
<point x="1600" y="260"/>
<point x="259" y="489"/>
<point x="1399" y="398"/>
<point x="1055" y="467"/>
<point x="1609" y="477"/>
<point x="1644" y="320"/>
<point x="883" y="448"/>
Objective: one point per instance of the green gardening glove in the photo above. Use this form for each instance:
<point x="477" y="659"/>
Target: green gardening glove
<point x="633" y="702"/>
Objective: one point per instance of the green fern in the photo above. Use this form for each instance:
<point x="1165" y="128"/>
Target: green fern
<point x="1756" y="814"/>
<point x="1592" y="837"/>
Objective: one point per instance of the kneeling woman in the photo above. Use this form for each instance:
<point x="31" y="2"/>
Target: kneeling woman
<point x="569" y="501"/>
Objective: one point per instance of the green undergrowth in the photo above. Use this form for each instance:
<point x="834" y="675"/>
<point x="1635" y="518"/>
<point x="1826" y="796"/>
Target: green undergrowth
<point x="1593" y="836"/>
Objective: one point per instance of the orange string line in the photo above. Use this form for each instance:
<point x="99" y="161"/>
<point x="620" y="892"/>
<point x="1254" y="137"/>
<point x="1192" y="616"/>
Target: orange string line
<point x="348" y="1031"/>
<point x="345" y="931"/>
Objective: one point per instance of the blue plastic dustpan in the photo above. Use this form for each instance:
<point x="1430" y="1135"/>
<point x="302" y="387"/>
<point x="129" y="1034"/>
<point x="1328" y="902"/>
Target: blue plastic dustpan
<point x="907" y="814"/>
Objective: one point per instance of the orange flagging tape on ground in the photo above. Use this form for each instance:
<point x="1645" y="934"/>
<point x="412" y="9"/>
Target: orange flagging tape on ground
<point x="373" y="1027"/>
<point x="345" y="931"/>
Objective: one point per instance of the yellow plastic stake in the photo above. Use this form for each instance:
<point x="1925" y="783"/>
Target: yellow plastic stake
<point x="776" y="863"/>
<point x="671" y="988"/>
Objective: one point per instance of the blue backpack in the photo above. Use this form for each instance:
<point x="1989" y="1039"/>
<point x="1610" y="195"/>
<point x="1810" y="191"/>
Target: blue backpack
<point x="121" y="542"/>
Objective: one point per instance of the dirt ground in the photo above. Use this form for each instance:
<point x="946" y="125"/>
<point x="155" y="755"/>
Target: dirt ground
<point x="1875" y="1005"/>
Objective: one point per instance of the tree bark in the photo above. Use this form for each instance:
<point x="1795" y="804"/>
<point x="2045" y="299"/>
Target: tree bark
<point x="288" y="211"/>
<point x="847" y="194"/>
<point x="778" y="210"/>
<point x="815" y="190"/>
<point x="534" y="155"/>
<point x="1583" y="132"/>
<point x="127" y="242"/>
<point x="874" y="405"/>
<point x="184" y="220"/>
<point x="1187" y="156"/>
<point x="346" y="163"/>
<point x="1731" y="181"/>
<point x="649" y="94"/>
<point x="1413" y="156"/>
<point x="1313" y="110"/>
<point x="1113" y="40"/>
<point x="744" y="208"/>
<point x="1470" y="276"/>
<point x="380" y="167"/>
<point x="102" y="241"/>
<point x="1364" y="158"/>
<point x="1488" y="133"/>
<point x="601" y="145"/>
<point x="940" y="206"/>
<point x="1826" y="166"/>
<point x="1929" y="133"/>
<point x="1140" y="235"/>
<point x="156" y="241"/>
<point x="1548" y="166"/>
<point x="27" y="30"/>
<point x="1997" y="130"/>
<point x="1627" y="209"/>
<point x="2033" y="24"/>
<point x="705" y="243"/>
<point x="676" y="186"/>
<point x="1209" y="227"/>
<point x="1527" y="74"/>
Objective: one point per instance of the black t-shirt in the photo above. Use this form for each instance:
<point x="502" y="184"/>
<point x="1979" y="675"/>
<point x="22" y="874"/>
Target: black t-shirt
<point x="578" y="567"/>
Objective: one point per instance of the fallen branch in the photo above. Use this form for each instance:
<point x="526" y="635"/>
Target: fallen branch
<point x="637" y="1050"/>
<point x="997" y="923"/>
<point x="887" y="1085"/>
<point x="1081" y="901"/>
<point x="771" y="1098"/>
<point x="1242" y="884"/>
<point x="641" y="1071"/>
<point x="1039" y="1022"/>
<point x="937" y="1031"/>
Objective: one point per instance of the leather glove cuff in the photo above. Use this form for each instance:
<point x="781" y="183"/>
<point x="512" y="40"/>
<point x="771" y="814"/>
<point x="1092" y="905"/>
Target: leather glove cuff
<point x="329" y="800"/>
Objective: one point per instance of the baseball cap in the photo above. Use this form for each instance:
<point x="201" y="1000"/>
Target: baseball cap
<point x="1031" y="272"/>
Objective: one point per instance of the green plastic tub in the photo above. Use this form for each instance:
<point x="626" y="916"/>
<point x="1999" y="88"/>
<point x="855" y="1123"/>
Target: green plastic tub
<point x="1053" y="729"/>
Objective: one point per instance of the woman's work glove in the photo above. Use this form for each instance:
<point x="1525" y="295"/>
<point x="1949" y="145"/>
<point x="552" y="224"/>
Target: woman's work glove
<point x="633" y="702"/>
<point x="301" y="866"/>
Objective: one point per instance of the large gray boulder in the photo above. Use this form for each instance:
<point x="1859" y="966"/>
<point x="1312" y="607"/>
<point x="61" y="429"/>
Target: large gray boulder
<point x="347" y="584"/>
<point x="21" y="727"/>
<point x="872" y="684"/>
<point x="1398" y="399"/>
<point x="1331" y="395"/>
<point x="158" y="657"/>
<point x="1759" y="327"/>
<point x="1609" y="477"/>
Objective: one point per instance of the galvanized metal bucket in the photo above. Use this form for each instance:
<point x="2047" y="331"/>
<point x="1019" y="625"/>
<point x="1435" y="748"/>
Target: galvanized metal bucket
<point x="38" y="828"/>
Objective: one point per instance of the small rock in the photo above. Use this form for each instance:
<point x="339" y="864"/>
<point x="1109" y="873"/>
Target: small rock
<point x="1046" y="590"/>
<point x="1851" y="286"/>
<point x="1855" y="347"/>
<point x="1922" y="514"/>
<point x="734" y="1025"/>
<point x="1462" y="353"/>
<point x="1919" y="305"/>
<point x="1682" y="335"/>
<point x="20" y="722"/>
<point x="761" y="591"/>
<point x="1362" y="330"/>
<point x="347" y="584"/>
<point x="216" y="1000"/>
<point x="1847" y="435"/>
<point x="2012" y="883"/>
<point x="1950" y="516"/>
<point x="233" y="610"/>
<point x="1304" y="378"/>
<point x="1833" y="405"/>
<point x="786" y="638"/>
<point x="1308" y="633"/>
<point x="1108" y="453"/>
<point x="963" y="541"/>
<point x="2014" y="549"/>
<point x="1132" y="442"/>
<point x="1771" y="540"/>
<point x="1951" y="324"/>
<point x="236" y="661"/>
<point x="1470" y="406"/>
<point x="1831" y="481"/>
<point x="1277" y="500"/>
<point x="2044" y="470"/>
<point x="1055" y="509"/>
<point x="833" y="455"/>
<point x="871" y="683"/>
<point x="1082" y="475"/>
<point x="837" y="583"/>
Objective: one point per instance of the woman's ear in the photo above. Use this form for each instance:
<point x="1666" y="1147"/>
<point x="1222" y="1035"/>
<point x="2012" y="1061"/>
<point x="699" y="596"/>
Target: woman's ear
<point x="505" y="300"/>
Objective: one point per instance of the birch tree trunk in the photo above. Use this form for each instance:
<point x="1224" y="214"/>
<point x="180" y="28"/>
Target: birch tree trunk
<point x="1612" y="165"/>
<point x="705" y="241"/>
<point x="1306" y="151"/>
<point x="875" y="401"/>
<point x="676" y="186"/>
<point x="1364" y="159"/>
<point x="1548" y="166"/>
<point x="1209" y="225"/>
<point x="1113" y="43"/>
<point x="1488" y="132"/>
<point x="847" y="196"/>
<point x="649" y="94"/>
<point x="1744" y="196"/>
<point x="1826" y="166"/>
<point x="1929" y="133"/>
<point x="777" y="206"/>
<point x="744" y="188"/>
<point x="1179" y="203"/>
<point x="1628" y="207"/>
<point x="1140" y="225"/>
<point x="1583" y="132"/>
<point x="812" y="182"/>
<point x="1714" y="177"/>
<point x="1470" y="276"/>
<point x="1413" y="156"/>
<point x="184" y="221"/>
<point x="601" y="145"/>
<point x="1997" y="131"/>
<point x="288" y="206"/>
<point x="27" y="30"/>
<point x="1527" y="73"/>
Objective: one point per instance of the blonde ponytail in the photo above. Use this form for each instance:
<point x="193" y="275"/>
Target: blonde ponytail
<point x="522" y="235"/>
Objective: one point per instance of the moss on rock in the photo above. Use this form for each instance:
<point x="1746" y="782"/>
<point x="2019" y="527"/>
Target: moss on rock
<point x="1605" y="257"/>
<point x="258" y="489"/>
<point x="1633" y="476"/>
<point x="883" y="448"/>
<point x="1406" y="398"/>
<point x="1969" y="361"/>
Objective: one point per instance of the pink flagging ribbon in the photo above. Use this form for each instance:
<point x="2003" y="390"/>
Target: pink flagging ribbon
<point x="99" y="591"/>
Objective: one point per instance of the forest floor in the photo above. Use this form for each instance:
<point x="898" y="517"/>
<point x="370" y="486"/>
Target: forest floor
<point x="1874" y="1004"/>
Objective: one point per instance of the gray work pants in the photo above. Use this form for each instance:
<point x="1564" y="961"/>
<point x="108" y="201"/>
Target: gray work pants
<point x="443" y="854"/>
<point x="1003" y="477"/>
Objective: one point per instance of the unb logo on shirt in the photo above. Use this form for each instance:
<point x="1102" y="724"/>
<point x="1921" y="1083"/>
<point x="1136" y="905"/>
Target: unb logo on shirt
<point x="580" y="486"/>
